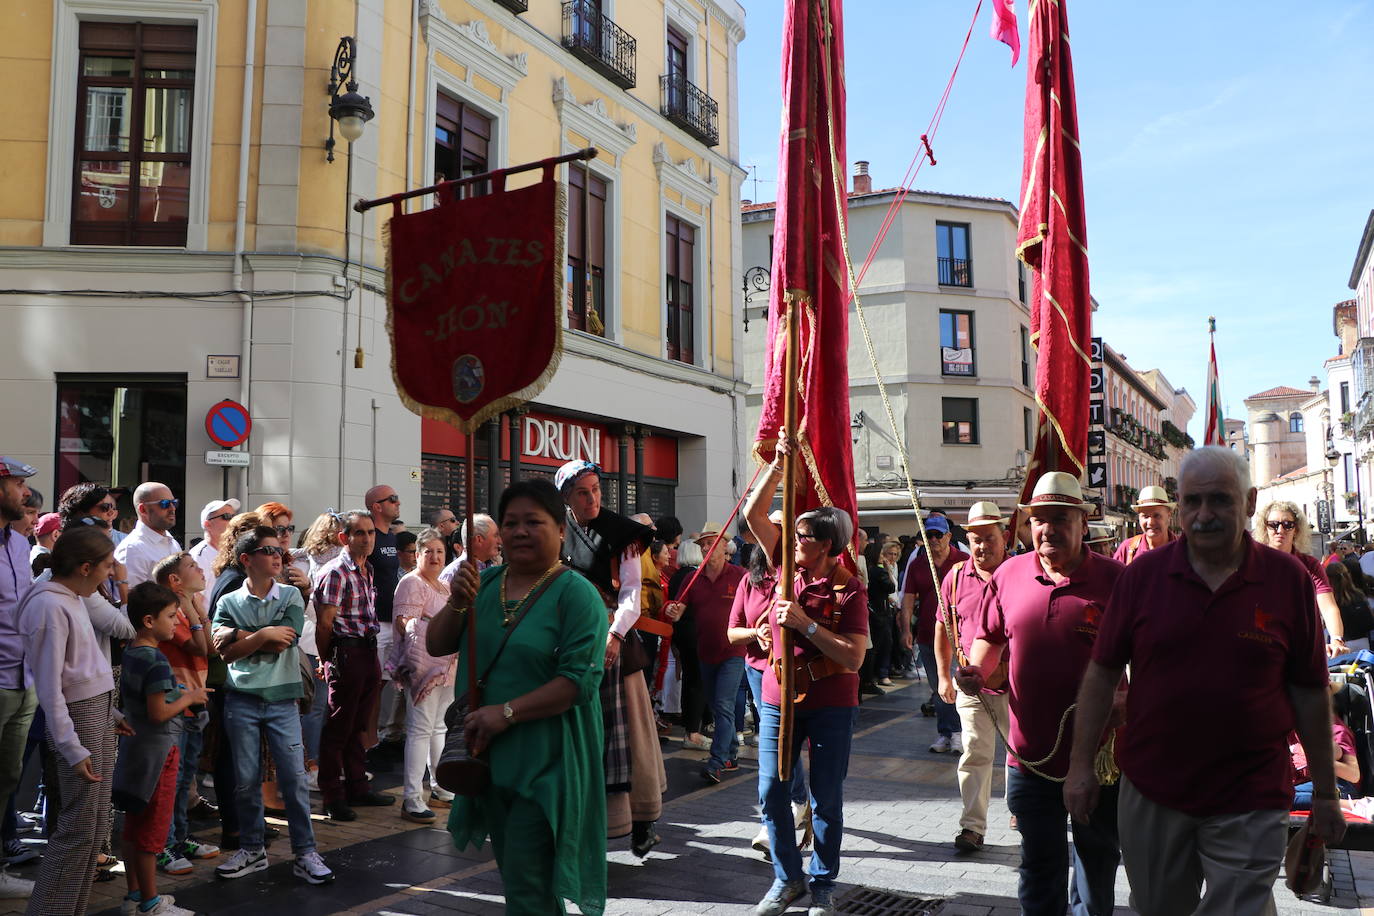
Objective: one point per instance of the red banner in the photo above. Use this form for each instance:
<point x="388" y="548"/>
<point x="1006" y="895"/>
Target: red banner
<point x="474" y="289"/>
<point x="1052" y="240"/>
<point x="809" y="261"/>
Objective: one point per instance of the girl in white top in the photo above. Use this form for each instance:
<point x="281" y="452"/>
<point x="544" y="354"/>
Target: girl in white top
<point x="427" y="680"/>
<point x="76" y="689"/>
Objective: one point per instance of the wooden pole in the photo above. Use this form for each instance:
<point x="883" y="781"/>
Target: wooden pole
<point x="788" y="572"/>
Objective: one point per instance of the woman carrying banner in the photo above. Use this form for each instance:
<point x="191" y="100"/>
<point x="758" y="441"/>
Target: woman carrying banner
<point x="829" y="620"/>
<point x="540" y="726"/>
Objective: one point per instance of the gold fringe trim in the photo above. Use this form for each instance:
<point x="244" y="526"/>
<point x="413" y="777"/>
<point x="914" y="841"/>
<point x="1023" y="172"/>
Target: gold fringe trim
<point x="515" y="398"/>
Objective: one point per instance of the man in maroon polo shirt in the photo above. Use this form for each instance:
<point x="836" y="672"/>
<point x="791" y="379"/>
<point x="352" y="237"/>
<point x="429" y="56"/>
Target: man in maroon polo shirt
<point x="1228" y="628"/>
<point x="1043" y="609"/>
<point x="919" y="594"/>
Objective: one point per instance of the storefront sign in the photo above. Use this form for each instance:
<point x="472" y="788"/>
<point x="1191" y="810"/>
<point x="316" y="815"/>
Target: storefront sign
<point x="561" y="441"/>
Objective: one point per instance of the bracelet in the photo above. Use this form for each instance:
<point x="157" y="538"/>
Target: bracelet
<point x="196" y="627"/>
<point x="121" y="581"/>
<point x="1326" y="796"/>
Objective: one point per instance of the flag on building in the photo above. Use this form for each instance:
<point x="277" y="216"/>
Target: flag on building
<point x="1004" y="27"/>
<point x="810" y="269"/>
<point x="1215" y="433"/>
<point x="1052" y="239"/>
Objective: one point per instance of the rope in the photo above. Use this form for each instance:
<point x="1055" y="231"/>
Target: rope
<point x="720" y="534"/>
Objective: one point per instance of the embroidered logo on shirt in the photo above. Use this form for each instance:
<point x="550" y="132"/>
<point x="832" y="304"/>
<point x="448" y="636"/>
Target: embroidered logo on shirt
<point x="1264" y="628"/>
<point x="1092" y="619"/>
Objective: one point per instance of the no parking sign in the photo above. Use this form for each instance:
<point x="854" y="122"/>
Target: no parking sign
<point x="228" y="424"/>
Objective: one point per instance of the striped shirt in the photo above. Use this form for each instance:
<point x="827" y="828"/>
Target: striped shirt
<point x="348" y="586"/>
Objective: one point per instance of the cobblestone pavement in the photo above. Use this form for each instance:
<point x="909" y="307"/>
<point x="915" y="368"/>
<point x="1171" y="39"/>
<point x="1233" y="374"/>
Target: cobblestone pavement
<point x="901" y="812"/>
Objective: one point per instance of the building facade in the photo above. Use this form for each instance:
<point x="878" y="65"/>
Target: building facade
<point x="175" y="235"/>
<point x="945" y="304"/>
<point x="1136" y="448"/>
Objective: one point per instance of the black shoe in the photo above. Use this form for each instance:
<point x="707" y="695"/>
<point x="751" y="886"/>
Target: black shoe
<point x="643" y="838"/>
<point x="204" y="810"/>
<point x="372" y="800"/>
<point x="928" y="710"/>
<point x="339" y="811"/>
<point x="872" y="689"/>
<point x="710" y="774"/>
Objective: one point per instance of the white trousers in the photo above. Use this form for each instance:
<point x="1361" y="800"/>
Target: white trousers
<point x="979" y="756"/>
<point x="424" y="741"/>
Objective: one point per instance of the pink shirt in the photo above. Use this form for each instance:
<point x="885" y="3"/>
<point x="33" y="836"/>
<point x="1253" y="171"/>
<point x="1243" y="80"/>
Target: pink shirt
<point x="963" y="591"/>
<point x="847" y="610"/>
<point x="1131" y="548"/>
<point x="1316" y="572"/>
<point x="750" y="605"/>
<point x="1208" y="712"/>
<point x="1048" y="630"/>
<point x="709" y="603"/>
<point x="919" y="583"/>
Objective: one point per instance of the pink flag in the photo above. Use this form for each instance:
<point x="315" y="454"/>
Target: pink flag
<point x="1004" y="27"/>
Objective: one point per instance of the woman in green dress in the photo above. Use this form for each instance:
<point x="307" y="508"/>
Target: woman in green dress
<point x="540" y="725"/>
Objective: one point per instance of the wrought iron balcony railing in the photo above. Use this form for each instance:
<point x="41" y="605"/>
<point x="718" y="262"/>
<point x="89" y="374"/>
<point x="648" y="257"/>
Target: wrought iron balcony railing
<point x="688" y="107"/>
<point x="516" y="6"/>
<point x="955" y="272"/>
<point x="592" y="36"/>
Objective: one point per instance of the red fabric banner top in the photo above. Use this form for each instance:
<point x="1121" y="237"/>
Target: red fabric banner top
<point x="474" y="289"/>
<point x="809" y="261"/>
<point x="1052" y="240"/>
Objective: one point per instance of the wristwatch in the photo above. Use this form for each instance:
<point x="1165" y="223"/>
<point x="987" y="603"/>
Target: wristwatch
<point x="508" y="713"/>
<point x="811" y="630"/>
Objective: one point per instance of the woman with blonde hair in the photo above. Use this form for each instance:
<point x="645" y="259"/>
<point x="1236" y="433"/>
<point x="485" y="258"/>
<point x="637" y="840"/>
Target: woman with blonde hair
<point x="1282" y="526"/>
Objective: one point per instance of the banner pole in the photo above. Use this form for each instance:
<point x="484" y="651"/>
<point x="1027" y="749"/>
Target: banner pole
<point x="470" y="488"/>
<point x="786" y="681"/>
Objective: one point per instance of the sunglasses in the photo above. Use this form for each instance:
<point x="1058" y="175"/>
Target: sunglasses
<point x="269" y="550"/>
<point x="1286" y="525"/>
<point x="105" y="507"/>
<point x="393" y="498"/>
<point x="223" y="516"/>
<point x="806" y="537"/>
<point x="285" y="529"/>
<point x="163" y="503"/>
<point x="934" y="535"/>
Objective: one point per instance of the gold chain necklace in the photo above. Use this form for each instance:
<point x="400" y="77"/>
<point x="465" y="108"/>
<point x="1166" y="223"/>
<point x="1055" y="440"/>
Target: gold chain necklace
<point x="510" y="614"/>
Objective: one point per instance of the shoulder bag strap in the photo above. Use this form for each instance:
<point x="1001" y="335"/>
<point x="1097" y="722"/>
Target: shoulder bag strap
<point x="530" y="601"/>
<point x="952" y="608"/>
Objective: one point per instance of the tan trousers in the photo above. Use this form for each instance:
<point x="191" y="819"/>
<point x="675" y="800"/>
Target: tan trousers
<point x="979" y="757"/>
<point x="1169" y="856"/>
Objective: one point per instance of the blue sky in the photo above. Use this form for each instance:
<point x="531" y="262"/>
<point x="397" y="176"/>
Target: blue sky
<point x="1228" y="154"/>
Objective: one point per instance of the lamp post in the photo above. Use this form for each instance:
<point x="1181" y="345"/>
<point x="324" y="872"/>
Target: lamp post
<point x="756" y="280"/>
<point x="350" y="110"/>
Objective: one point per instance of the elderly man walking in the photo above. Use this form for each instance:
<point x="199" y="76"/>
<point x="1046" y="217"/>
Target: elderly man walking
<point x="965" y="589"/>
<point x="1215" y="621"/>
<point x="1154" y="512"/>
<point x="1042" y="610"/>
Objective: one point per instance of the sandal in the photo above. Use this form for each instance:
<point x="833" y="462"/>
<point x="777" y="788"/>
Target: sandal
<point x="104" y="862"/>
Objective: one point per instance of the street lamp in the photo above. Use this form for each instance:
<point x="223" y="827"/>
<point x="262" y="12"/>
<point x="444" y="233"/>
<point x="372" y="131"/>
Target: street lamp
<point x="351" y="110"/>
<point x="756" y="280"/>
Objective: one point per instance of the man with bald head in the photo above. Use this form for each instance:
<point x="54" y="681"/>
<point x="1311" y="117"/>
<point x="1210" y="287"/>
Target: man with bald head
<point x="445" y="522"/>
<point x="385" y="560"/>
<point x="149" y="542"/>
<point x="1226" y="628"/>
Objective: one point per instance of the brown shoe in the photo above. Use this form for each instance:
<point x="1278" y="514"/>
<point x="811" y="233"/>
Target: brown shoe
<point x="968" y="841"/>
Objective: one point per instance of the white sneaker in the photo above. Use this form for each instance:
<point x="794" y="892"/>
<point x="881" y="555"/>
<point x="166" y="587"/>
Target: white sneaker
<point x="12" y="888"/>
<point x="166" y="906"/>
<point x="941" y="746"/>
<point x="311" y="869"/>
<point x="242" y="862"/>
<point x="760" y="841"/>
<point x="956" y="743"/>
<point x="312" y="781"/>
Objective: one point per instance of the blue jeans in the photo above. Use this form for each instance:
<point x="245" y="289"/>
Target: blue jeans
<point x="754" y="678"/>
<point x="721" y="684"/>
<point x="1302" y="794"/>
<point x="312" y="723"/>
<point x="831" y="731"/>
<point x="946" y="716"/>
<point x="191" y="740"/>
<point x="1040" y="817"/>
<point x="246" y="720"/>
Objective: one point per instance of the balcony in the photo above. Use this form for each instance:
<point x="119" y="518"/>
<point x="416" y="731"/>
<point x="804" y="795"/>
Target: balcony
<point x="515" y="6"/>
<point x="593" y="37"/>
<point x="689" y="108"/>
<point x="955" y="272"/>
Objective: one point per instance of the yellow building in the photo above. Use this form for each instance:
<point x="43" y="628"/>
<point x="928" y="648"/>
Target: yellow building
<point x="173" y="235"/>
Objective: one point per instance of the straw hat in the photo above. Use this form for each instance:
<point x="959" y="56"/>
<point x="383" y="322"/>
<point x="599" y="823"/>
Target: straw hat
<point x="707" y="532"/>
<point x="1056" y="488"/>
<point x="985" y="513"/>
<point x="1152" y="496"/>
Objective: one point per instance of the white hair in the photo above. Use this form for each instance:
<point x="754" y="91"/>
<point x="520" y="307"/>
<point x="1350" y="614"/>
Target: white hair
<point x="689" y="553"/>
<point x="1218" y="458"/>
<point x="484" y="524"/>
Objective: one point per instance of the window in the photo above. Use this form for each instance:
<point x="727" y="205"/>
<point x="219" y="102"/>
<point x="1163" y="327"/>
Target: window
<point x="677" y="54"/>
<point x="587" y="195"/>
<point x="681" y="273"/>
<point x="1027" y="428"/>
<point x="132" y="164"/>
<point x="1295" y="422"/>
<point x="960" y="420"/>
<point x="462" y="143"/>
<point x="1021" y="280"/>
<point x="956" y="343"/>
<point x="1025" y="356"/>
<point x="951" y="248"/>
<point x="120" y="431"/>
<point x="1345" y="393"/>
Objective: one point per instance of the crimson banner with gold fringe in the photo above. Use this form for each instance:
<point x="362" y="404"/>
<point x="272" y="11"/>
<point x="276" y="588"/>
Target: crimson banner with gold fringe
<point x="474" y="288"/>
